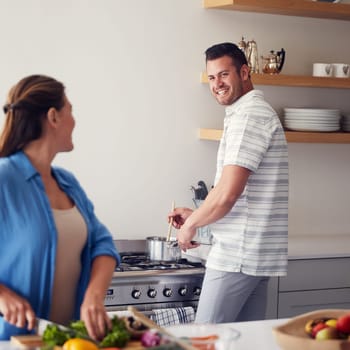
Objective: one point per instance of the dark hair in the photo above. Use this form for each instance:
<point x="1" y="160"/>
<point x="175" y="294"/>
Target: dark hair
<point x="26" y="108"/>
<point x="227" y="49"/>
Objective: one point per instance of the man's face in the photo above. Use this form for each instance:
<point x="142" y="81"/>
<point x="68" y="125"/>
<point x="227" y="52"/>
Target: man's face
<point x="225" y="83"/>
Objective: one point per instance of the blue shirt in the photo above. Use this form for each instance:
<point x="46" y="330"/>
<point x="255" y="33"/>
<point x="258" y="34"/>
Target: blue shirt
<point x="28" y="236"/>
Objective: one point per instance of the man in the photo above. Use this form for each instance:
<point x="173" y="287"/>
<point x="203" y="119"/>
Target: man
<point x="248" y="206"/>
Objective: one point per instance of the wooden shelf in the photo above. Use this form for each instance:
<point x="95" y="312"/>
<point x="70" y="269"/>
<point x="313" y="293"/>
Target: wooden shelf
<point x="294" y="80"/>
<point x="302" y="8"/>
<point x="292" y="136"/>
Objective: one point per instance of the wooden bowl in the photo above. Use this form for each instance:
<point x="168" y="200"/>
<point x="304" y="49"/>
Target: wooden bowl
<point x="292" y="335"/>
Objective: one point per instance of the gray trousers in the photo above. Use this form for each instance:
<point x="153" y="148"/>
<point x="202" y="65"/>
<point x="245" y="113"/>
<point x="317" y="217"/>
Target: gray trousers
<point x="231" y="297"/>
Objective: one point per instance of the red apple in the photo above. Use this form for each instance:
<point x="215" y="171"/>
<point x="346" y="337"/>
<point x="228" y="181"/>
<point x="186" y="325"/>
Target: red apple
<point x="317" y="328"/>
<point x="343" y="324"/>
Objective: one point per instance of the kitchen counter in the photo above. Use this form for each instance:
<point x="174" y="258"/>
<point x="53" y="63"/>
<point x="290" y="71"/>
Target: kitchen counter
<point x="254" y="335"/>
<point x="299" y="247"/>
<point x="318" y="246"/>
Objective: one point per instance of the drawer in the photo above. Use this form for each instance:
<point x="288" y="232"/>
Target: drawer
<point x="295" y="303"/>
<point x="309" y="274"/>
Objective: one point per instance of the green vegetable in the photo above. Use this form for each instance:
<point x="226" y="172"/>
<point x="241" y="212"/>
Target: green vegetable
<point x="118" y="336"/>
<point x="53" y="335"/>
<point x="79" y="328"/>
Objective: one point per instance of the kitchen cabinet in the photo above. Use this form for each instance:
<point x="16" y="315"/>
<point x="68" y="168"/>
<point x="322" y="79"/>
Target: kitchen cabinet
<point x="310" y="284"/>
<point x="305" y="8"/>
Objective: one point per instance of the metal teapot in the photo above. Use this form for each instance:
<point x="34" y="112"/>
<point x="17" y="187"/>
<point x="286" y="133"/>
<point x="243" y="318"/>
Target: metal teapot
<point x="274" y="62"/>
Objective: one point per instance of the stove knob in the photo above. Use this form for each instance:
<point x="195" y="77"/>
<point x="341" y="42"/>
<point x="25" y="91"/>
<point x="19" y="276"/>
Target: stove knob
<point x="152" y="293"/>
<point x="136" y="293"/>
<point x="183" y="291"/>
<point x="197" y="291"/>
<point x="167" y="292"/>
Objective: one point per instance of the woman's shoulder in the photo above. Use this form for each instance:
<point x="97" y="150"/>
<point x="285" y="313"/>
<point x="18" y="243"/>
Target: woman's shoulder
<point x="6" y="166"/>
<point x="63" y="174"/>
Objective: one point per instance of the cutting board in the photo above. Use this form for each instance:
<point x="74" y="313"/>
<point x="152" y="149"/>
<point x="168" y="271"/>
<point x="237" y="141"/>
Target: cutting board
<point x="31" y="341"/>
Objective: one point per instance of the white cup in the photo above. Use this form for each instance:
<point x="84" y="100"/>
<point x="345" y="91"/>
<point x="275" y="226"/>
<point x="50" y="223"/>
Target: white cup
<point x="322" y="70"/>
<point x="341" y="70"/>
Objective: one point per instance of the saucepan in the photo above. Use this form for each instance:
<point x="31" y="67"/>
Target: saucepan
<point x="162" y="249"/>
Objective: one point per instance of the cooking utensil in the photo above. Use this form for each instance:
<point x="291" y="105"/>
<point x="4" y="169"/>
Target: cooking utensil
<point x="41" y="324"/>
<point x="170" y="223"/>
<point x="274" y="62"/>
<point x="149" y="323"/>
<point x="204" y="189"/>
<point x="159" y="249"/>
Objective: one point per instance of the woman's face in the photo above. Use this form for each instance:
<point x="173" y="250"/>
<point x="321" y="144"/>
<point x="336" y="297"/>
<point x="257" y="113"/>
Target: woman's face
<point x="65" y="127"/>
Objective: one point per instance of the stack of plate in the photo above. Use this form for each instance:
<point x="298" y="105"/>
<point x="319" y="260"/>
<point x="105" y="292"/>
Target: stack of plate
<point x="345" y="125"/>
<point x="310" y="119"/>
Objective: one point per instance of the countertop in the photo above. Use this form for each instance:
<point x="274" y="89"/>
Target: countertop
<point x="300" y="247"/>
<point x="254" y="335"/>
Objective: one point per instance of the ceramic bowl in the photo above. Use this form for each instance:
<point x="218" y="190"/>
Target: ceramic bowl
<point x="292" y="335"/>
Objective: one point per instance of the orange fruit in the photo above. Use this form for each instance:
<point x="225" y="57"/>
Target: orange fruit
<point x="79" y="344"/>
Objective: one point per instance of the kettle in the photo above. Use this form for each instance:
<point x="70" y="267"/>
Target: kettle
<point x="274" y="62"/>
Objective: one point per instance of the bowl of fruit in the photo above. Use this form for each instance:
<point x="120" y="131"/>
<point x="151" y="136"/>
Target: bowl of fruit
<point x="327" y="329"/>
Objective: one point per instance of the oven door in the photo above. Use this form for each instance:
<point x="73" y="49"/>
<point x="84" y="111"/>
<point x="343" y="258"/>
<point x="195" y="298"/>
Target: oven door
<point x="163" y="314"/>
<point x="166" y="299"/>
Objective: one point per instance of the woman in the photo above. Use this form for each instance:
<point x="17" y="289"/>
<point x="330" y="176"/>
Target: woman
<point x="56" y="258"/>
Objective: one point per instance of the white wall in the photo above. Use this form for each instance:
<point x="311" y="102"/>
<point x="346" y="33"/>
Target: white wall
<point x="132" y="73"/>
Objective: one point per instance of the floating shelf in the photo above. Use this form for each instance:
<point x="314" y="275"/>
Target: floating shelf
<point x="292" y="136"/>
<point x="302" y="8"/>
<point x="294" y="80"/>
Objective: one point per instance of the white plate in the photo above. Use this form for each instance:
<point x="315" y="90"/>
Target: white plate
<point x="312" y="111"/>
<point x="312" y="121"/>
<point x="308" y="127"/>
<point x="331" y="119"/>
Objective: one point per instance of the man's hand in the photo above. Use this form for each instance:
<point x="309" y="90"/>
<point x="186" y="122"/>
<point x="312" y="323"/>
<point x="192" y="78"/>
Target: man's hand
<point x="179" y="216"/>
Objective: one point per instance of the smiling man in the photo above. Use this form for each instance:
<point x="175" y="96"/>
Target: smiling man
<point x="247" y="209"/>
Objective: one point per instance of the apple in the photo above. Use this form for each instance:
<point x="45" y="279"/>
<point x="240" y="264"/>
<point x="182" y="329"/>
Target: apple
<point x="327" y="333"/>
<point x="316" y="329"/>
<point x="343" y="324"/>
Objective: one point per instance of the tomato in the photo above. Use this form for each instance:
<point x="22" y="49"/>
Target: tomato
<point x="79" y="344"/>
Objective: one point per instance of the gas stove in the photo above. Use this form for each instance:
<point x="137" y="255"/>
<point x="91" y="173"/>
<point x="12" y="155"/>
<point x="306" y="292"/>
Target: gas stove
<point x="138" y="261"/>
<point x="149" y="285"/>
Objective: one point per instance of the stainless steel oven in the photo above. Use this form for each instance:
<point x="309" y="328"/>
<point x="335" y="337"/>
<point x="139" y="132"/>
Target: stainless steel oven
<point x="150" y="286"/>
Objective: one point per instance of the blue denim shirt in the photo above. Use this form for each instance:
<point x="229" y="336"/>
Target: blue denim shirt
<point x="28" y="236"/>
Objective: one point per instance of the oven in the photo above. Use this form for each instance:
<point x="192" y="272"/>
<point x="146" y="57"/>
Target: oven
<point x="154" y="287"/>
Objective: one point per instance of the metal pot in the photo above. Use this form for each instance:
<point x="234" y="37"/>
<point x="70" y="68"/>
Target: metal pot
<point x="159" y="249"/>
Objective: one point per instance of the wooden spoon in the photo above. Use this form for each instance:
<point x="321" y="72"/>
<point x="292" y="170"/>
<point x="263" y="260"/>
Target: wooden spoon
<point x="149" y="323"/>
<point x="170" y="223"/>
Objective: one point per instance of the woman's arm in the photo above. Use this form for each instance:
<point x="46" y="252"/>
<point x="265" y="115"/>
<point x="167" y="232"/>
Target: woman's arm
<point x="92" y="311"/>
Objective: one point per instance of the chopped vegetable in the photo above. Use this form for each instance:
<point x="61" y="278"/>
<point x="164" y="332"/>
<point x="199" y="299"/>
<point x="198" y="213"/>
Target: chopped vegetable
<point x="150" y="338"/>
<point x="53" y="335"/>
<point x="118" y="336"/>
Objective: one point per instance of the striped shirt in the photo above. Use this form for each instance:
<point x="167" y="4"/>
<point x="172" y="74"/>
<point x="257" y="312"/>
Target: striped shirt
<point x="253" y="237"/>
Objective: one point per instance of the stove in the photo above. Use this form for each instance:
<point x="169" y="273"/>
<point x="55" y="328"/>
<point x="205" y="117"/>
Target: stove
<point x="150" y="285"/>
